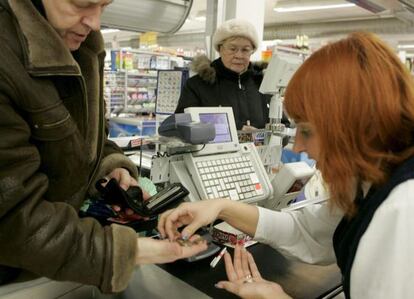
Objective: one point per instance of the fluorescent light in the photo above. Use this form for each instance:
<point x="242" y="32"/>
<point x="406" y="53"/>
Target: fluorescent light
<point x="200" y="18"/>
<point x="109" y="30"/>
<point x="405" y="46"/>
<point x="313" y="7"/>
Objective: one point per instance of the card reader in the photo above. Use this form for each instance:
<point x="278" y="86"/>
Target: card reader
<point x="180" y="125"/>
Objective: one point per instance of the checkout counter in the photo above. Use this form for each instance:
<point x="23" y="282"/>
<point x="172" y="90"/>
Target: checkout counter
<point x="182" y="280"/>
<point x="299" y="280"/>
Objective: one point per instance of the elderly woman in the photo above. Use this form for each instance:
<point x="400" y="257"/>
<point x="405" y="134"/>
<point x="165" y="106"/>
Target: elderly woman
<point x="229" y="80"/>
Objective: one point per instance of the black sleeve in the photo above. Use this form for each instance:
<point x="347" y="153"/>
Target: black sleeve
<point x="266" y="105"/>
<point x="189" y="97"/>
<point x="285" y="120"/>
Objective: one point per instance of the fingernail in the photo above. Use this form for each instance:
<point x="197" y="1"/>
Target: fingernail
<point x="217" y="285"/>
<point x="184" y="237"/>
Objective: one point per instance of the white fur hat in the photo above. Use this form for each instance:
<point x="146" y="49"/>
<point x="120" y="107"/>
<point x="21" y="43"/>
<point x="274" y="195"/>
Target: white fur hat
<point x="233" y="28"/>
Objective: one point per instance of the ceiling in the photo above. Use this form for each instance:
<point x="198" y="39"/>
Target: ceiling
<point x="319" y="25"/>
<point x="324" y="15"/>
<point x="274" y="18"/>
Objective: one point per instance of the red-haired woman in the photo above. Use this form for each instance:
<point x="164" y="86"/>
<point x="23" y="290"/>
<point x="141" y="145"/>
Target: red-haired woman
<point x="353" y="103"/>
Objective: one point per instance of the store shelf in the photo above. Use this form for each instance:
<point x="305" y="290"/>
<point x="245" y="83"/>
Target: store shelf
<point x="130" y="91"/>
<point x="131" y="85"/>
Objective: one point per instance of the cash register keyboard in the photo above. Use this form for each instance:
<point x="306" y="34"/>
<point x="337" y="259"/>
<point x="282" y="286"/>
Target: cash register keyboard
<point x="230" y="177"/>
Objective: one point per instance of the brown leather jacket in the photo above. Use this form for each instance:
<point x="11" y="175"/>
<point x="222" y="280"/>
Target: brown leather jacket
<point x="53" y="147"/>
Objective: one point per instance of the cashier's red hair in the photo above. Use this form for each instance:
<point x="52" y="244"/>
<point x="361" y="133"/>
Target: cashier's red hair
<point x="360" y="98"/>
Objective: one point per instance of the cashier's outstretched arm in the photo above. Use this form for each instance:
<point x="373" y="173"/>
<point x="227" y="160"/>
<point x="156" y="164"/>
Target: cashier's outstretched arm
<point x="197" y="214"/>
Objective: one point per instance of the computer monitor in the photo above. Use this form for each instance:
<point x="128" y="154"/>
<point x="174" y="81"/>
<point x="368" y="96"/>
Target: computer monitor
<point x="281" y="68"/>
<point x="288" y="183"/>
<point x="226" y="139"/>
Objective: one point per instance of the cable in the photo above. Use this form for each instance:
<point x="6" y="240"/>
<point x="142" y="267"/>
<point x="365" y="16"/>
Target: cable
<point x="160" y="155"/>
<point x="140" y="158"/>
<point x="189" y="152"/>
<point x="165" y="154"/>
<point x="204" y="145"/>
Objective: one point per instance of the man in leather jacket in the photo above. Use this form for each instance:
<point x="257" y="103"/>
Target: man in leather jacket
<point x="54" y="147"/>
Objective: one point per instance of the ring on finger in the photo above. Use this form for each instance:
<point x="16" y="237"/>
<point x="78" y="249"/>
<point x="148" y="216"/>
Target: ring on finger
<point x="248" y="279"/>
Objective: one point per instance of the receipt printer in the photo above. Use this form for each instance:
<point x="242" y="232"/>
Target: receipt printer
<point x="181" y="125"/>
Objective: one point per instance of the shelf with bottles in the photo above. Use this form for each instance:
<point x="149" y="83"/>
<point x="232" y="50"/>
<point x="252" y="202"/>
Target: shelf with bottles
<point x="133" y="59"/>
<point x="138" y="81"/>
<point x="143" y="109"/>
<point x="114" y="91"/>
<point x="131" y="80"/>
<point x="125" y="89"/>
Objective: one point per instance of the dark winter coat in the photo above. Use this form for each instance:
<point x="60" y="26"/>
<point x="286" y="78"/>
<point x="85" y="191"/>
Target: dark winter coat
<point x="53" y="147"/>
<point x="216" y="85"/>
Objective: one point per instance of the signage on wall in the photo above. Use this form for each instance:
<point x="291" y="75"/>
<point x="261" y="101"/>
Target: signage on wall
<point x="148" y="39"/>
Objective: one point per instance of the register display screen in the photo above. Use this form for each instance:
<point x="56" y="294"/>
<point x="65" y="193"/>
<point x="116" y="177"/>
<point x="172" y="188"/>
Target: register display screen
<point x="221" y="123"/>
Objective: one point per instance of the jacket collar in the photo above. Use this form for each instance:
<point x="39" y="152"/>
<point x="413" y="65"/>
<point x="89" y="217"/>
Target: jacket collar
<point x="222" y="71"/>
<point x="45" y="50"/>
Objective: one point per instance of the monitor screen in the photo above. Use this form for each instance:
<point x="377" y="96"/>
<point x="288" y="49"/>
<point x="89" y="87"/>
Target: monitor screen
<point x="226" y="132"/>
<point x="221" y="124"/>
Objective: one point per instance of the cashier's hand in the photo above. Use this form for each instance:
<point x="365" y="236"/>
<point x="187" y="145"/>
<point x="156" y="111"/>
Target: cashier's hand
<point x="245" y="280"/>
<point x="152" y="251"/>
<point x="192" y="215"/>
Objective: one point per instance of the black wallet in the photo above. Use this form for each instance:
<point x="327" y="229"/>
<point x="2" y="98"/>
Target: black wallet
<point x="132" y="198"/>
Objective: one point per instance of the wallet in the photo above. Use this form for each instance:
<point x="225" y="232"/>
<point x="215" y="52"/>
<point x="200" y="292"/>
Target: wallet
<point x="132" y="198"/>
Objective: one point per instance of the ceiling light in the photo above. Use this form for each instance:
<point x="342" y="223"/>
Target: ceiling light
<point x="405" y="46"/>
<point x="313" y="7"/>
<point x="200" y="18"/>
<point x="369" y="5"/>
<point x="109" y="30"/>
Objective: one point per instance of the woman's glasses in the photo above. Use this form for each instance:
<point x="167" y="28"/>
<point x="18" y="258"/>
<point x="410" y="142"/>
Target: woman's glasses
<point x="231" y="50"/>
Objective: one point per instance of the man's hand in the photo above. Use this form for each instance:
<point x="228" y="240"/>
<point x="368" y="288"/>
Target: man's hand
<point x="152" y="251"/>
<point x="125" y="180"/>
<point x="122" y="176"/>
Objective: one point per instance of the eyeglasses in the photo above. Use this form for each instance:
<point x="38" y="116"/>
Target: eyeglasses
<point x="231" y="50"/>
